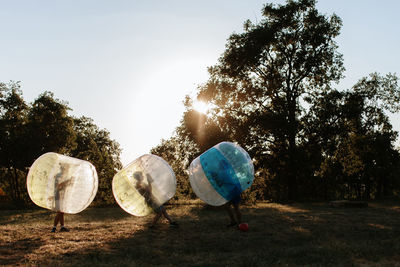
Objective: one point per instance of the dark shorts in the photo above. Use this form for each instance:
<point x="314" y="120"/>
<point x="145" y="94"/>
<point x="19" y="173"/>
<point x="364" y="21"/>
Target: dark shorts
<point x="236" y="199"/>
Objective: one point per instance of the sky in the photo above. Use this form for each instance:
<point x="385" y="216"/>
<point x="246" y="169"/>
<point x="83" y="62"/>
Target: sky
<point x="129" y="64"/>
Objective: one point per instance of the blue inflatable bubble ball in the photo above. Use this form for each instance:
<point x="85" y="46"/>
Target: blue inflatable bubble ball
<point x="221" y="173"/>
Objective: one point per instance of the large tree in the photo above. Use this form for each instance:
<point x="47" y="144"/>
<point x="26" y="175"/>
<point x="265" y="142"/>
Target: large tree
<point x="13" y="145"/>
<point x="49" y="127"/>
<point x="350" y="140"/>
<point x="95" y="145"/>
<point x="264" y="74"/>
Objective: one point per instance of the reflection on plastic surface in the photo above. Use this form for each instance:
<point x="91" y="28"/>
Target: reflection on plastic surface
<point x="144" y="185"/>
<point x="221" y="173"/>
<point x="62" y="183"/>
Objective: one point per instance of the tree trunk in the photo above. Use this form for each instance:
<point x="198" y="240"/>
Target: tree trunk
<point x="12" y="184"/>
<point x="387" y="189"/>
<point x="367" y="189"/>
<point x="17" y="191"/>
<point x="379" y="187"/>
<point x="292" y="131"/>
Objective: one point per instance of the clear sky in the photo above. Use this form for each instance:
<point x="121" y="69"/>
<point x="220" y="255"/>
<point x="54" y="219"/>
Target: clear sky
<point x="128" y="64"/>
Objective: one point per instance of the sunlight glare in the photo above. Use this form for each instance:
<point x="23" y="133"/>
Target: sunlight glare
<point x="201" y="106"/>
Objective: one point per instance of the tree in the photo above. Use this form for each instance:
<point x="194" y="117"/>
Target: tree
<point x="178" y="152"/>
<point x="266" y="71"/>
<point x="95" y="145"/>
<point x="371" y="136"/>
<point x="13" y="111"/>
<point x="49" y="127"/>
<point x="352" y="139"/>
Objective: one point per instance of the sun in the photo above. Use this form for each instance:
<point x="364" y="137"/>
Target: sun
<point x="201" y="106"/>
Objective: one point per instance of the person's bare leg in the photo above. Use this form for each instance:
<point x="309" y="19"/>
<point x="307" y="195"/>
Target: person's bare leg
<point x="61" y="216"/>
<point x="166" y="215"/>
<point x="230" y="214"/>
<point x="156" y="218"/>
<point x="61" y="220"/>
<point x="56" y="219"/>
<point x="238" y="213"/>
<point x="164" y="212"/>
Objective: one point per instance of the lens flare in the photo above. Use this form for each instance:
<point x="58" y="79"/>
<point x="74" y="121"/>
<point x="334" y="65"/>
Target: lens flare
<point x="201" y="106"/>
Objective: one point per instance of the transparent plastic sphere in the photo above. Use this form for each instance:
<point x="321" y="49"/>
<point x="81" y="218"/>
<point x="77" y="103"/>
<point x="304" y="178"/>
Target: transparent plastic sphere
<point x="61" y="183"/>
<point x="221" y="173"/>
<point x="144" y="185"/>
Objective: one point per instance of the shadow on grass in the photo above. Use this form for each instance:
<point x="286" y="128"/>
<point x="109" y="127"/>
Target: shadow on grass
<point x="279" y="234"/>
<point x="13" y="217"/>
<point x="106" y="214"/>
<point x="203" y="240"/>
<point x="11" y="252"/>
<point x="298" y="234"/>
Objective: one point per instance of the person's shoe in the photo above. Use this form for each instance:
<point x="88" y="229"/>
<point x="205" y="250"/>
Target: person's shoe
<point x="53" y="230"/>
<point x="63" y="229"/>
<point x="175" y="224"/>
<point x="231" y="224"/>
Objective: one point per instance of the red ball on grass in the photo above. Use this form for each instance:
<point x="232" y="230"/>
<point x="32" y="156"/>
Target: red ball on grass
<point x="244" y="227"/>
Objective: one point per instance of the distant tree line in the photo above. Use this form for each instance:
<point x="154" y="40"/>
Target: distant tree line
<point x="29" y="130"/>
<point x="273" y="93"/>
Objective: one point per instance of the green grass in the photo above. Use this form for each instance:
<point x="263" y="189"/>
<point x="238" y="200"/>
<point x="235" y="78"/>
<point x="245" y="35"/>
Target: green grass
<point x="297" y="234"/>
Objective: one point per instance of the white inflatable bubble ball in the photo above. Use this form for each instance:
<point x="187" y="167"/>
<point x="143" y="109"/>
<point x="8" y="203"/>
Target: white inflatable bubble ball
<point x="61" y="183"/>
<point x="144" y="185"/>
<point x="221" y="173"/>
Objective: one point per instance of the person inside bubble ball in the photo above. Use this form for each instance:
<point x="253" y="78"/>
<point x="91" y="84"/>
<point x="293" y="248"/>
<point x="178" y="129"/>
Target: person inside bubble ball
<point x="59" y="191"/>
<point x="145" y="189"/>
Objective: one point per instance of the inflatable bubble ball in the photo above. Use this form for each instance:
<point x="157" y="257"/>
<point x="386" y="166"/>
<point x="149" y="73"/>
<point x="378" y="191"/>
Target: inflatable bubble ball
<point x="61" y="183"/>
<point x="144" y="185"/>
<point x="221" y="173"/>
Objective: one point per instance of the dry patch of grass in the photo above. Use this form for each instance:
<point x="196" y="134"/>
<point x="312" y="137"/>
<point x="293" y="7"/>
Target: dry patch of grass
<point x="298" y="234"/>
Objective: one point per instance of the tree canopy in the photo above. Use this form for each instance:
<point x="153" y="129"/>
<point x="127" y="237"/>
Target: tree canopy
<point x="273" y="92"/>
<point x="29" y="130"/>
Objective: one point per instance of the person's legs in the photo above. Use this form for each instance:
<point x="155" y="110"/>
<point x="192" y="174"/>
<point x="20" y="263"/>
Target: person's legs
<point x="161" y="211"/>
<point x="61" y="219"/>
<point x="164" y="212"/>
<point x="238" y="213"/>
<point x="63" y="229"/>
<point x="230" y="214"/>
<point x="156" y="218"/>
<point x="56" y="220"/>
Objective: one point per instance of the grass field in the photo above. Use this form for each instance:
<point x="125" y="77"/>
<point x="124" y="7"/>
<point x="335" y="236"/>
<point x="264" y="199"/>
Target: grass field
<point x="296" y="234"/>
